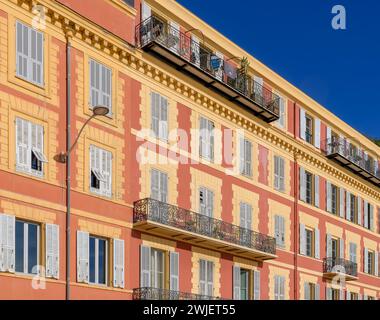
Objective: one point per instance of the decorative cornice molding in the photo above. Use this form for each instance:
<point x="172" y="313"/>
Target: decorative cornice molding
<point x="124" y="53"/>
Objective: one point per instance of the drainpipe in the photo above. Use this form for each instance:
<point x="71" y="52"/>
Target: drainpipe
<point x="68" y="161"/>
<point x="296" y="188"/>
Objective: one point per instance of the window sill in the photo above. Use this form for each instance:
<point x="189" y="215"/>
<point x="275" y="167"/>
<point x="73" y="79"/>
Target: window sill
<point x="31" y="173"/>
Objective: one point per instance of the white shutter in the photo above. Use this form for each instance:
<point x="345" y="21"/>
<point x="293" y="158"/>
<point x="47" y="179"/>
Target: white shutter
<point x="365" y="260"/>
<point x="7" y="243"/>
<point x="276" y="288"/>
<point x="328" y="140"/>
<point x="163" y="118"/>
<point x="328" y="245"/>
<point x="328" y="293"/>
<point x="145" y="265"/>
<point x="341" y="200"/>
<point x="22" y="52"/>
<point x="307" y="291"/>
<point x="106" y="88"/>
<point x="210" y="278"/>
<point x="348" y="295"/>
<point x="341" y="294"/>
<point x="365" y="214"/>
<point x="195" y="53"/>
<point x="118" y="263"/>
<point x="328" y="196"/>
<point x="36" y="56"/>
<point x="3" y="242"/>
<point x="248" y="157"/>
<point x="107" y="172"/>
<point x="163" y="187"/>
<point x="317" y="244"/>
<point x="302" y="239"/>
<point x="317" y="291"/>
<point x="155" y="113"/>
<point x="94" y="83"/>
<point x="146" y="11"/>
<point x="371" y="219"/>
<point x="359" y="211"/>
<point x="277" y="229"/>
<point x="258" y="85"/>
<point x="376" y="264"/>
<point x="83" y="256"/>
<point x="236" y="282"/>
<point x="282" y="288"/>
<point x="202" y="277"/>
<point x="348" y="205"/>
<point x="52" y="251"/>
<point x="210" y="133"/>
<point x="203" y="139"/>
<point x="154" y="184"/>
<point x="302" y="184"/>
<point x="23" y="145"/>
<point x="302" y="124"/>
<point x="281" y="121"/>
<point x="174" y="271"/>
<point x="316" y="191"/>
<point x="219" y="73"/>
<point x="317" y="133"/>
<point x="256" y="285"/>
<point x="341" y="248"/>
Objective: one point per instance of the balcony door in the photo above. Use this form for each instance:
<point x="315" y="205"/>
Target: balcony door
<point x="206" y="278"/>
<point x="157" y="269"/>
<point x="159" y="192"/>
<point x="245" y="223"/>
<point x="206" y="209"/>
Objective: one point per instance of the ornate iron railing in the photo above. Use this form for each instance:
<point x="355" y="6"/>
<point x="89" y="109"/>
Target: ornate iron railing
<point x="154" y="29"/>
<point x="169" y="215"/>
<point x="149" y="293"/>
<point x="339" y="265"/>
<point x="353" y="154"/>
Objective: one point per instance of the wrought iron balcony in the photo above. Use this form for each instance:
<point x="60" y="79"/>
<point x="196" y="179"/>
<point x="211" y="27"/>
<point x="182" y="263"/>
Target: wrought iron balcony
<point x="338" y="266"/>
<point x="170" y="44"/>
<point x="172" y="222"/>
<point x="348" y="156"/>
<point x="149" y="293"/>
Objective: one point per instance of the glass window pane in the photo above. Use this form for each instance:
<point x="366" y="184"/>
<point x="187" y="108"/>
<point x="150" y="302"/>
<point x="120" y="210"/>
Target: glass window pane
<point x="102" y="262"/>
<point x="19" y="246"/>
<point x="92" y="259"/>
<point x="32" y="248"/>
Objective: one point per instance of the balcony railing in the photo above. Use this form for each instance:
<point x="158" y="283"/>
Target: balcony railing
<point x="149" y="293"/>
<point x="342" y="151"/>
<point x="192" y="56"/>
<point x="146" y="210"/>
<point x="340" y="266"/>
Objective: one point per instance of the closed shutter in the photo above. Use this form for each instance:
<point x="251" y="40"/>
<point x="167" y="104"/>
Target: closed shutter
<point x="202" y="277"/>
<point x="145" y="266"/>
<point x="365" y="260"/>
<point x="163" y="124"/>
<point x="348" y="295"/>
<point x="210" y="278"/>
<point x="282" y="174"/>
<point x="236" y="282"/>
<point x="163" y="187"/>
<point x="341" y="248"/>
<point x="174" y="271"/>
<point x="353" y="252"/>
<point x="106" y="88"/>
<point x="359" y="211"/>
<point x="281" y="121"/>
<point x="317" y="292"/>
<point x="317" y="133"/>
<point x="146" y="11"/>
<point x="276" y="288"/>
<point x="282" y="288"/>
<point x="247" y="157"/>
<point x="302" y="239"/>
<point x="206" y="202"/>
<point x="154" y="184"/>
<point x="341" y="202"/>
<point x="277" y="229"/>
<point x="328" y="140"/>
<point x="36" y="56"/>
<point x="302" y="184"/>
<point x="307" y="290"/>
<point x="316" y="244"/>
<point x="341" y="295"/>
<point x="155" y="113"/>
<point x="302" y="124"/>
<point x="211" y="140"/>
<point x="376" y="264"/>
<point x="22" y="50"/>
<point x="23" y="145"/>
<point x="276" y="173"/>
<point x="3" y="242"/>
<point x="203" y="137"/>
<point x="173" y="42"/>
<point x="328" y="246"/>
<point x="365" y="214"/>
<point x="82" y="256"/>
<point x="316" y="191"/>
<point x="256" y="285"/>
<point x="328" y="196"/>
<point x="118" y="263"/>
<point x="258" y="87"/>
<point x="348" y="205"/>
<point x="195" y="53"/>
<point x="242" y="155"/>
<point x="100" y="85"/>
<point x="95" y="93"/>
<point x="52" y="251"/>
<point x="282" y="230"/>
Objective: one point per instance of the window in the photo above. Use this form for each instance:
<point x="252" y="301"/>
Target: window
<point x="352" y="208"/>
<point x="159" y="185"/>
<point x="245" y="157"/>
<point x="29" y="54"/>
<point x="279" y="173"/>
<point x="206" y="202"/>
<point x="29" y="147"/>
<point x="100" y="171"/>
<point x="279" y="288"/>
<point x="309" y="130"/>
<point x="159" y="112"/>
<point x="206" y="276"/>
<point x="27" y="250"/>
<point x="245" y="223"/>
<point x="311" y="291"/>
<point x="100" y="85"/>
<point x="334" y="248"/>
<point x="157" y="270"/>
<point x="335" y="294"/>
<point x="309" y="242"/>
<point x="279" y="230"/>
<point x="309" y="187"/>
<point x="244" y="284"/>
<point x="206" y="139"/>
<point x="130" y="2"/>
<point x="368" y="216"/>
<point x="98" y="257"/>
<point x="370" y="262"/>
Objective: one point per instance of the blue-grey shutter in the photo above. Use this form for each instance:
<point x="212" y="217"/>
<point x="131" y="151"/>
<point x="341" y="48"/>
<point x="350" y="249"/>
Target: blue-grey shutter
<point x="22" y="50"/>
<point x="145" y="265"/>
<point x="359" y="211"/>
<point x="341" y="248"/>
<point x="365" y="260"/>
<point x="328" y="196"/>
<point x="302" y="179"/>
<point x="317" y="133"/>
<point x="95" y="75"/>
<point x="302" y="124"/>
<point x="307" y="290"/>
<point x="348" y="205"/>
<point x="256" y="285"/>
<point x="154" y="184"/>
<point x="348" y="295"/>
<point x="236" y="282"/>
<point x="365" y="214"/>
<point x="203" y="143"/>
<point x="376" y="264"/>
<point x="277" y="229"/>
<point x="106" y="87"/>
<point x="341" y="200"/>
<point x="247" y="157"/>
<point x="163" y="187"/>
<point x="202" y="277"/>
<point x="371" y="218"/>
<point x="163" y="115"/>
<point x="316" y="191"/>
<point x="174" y="271"/>
<point x="302" y="239"/>
<point x="36" y="56"/>
<point x="316" y="243"/>
<point x="211" y="140"/>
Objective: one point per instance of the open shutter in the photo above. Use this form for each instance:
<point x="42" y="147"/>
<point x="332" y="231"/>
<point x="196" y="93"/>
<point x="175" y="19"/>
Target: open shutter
<point x="341" y="248"/>
<point x="163" y="124"/>
<point x="348" y="205"/>
<point x="328" y="196"/>
<point x="317" y="292"/>
<point x="37" y="56"/>
<point x="236" y="281"/>
<point x="219" y="72"/>
<point x="365" y="214"/>
<point x="328" y="245"/>
<point x="23" y="144"/>
<point x="277" y="229"/>
<point x="3" y="242"/>
<point x="376" y="264"/>
<point x="202" y="277"/>
<point x="371" y="219"/>
<point x="316" y="191"/>
<point x="174" y="271"/>
<point x="155" y="113"/>
<point x="341" y="294"/>
<point x="307" y="291"/>
<point x="106" y="87"/>
<point x="256" y="285"/>
<point x="52" y="251"/>
<point x="317" y="133"/>
<point x="302" y="124"/>
<point x="348" y="295"/>
<point x="317" y="244"/>
<point x="211" y="139"/>
<point x="210" y="278"/>
<point x="302" y="184"/>
<point x="22" y="52"/>
<point x="203" y="139"/>
<point x="328" y="293"/>
<point x="118" y="263"/>
<point x="83" y="256"/>
<point x="341" y="202"/>
<point x="248" y="157"/>
<point x="281" y="120"/>
<point x="365" y="260"/>
<point x="282" y="288"/>
<point x="154" y="184"/>
<point x="145" y="263"/>
<point x="7" y="235"/>
<point x="302" y="239"/>
<point x="195" y="52"/>
<point x="95" y="83"/>
<point x="328" y="140"/>
<point x="359" y="211"/>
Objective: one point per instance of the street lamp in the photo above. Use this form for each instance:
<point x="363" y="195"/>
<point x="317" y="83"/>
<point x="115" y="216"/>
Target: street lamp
<point x="99" y="110"/>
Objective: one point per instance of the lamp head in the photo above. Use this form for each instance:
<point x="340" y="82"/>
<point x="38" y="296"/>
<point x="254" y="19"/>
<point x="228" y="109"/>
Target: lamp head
<point x="100" y="110"/>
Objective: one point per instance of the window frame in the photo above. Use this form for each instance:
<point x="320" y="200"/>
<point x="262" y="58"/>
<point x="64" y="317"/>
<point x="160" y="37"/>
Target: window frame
<point x="154" y="252"/>
<point x="106" y="264"/>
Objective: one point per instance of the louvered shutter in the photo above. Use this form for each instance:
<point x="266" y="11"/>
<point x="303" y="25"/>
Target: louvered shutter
<point x="23" y="145"/>
<point x="341" y="248"/>
<point x="371" y="219"/>
<point x="163" y="124"/>
<point x="359" y="211"/>
<point x="203" y="140"/>
<point x="282" y="288"/>
<point x="277" y="229"/>
<point x="248" y="157"/>
<point x="211" y="139"/>
<point x="173" y="39"/>
<point x="302" y="184"/>
<point x="94" y="83"/>
<point x="302" y="239"/>
<point x="3" y="242"/>
<point x="348" y="205"/>
<point x="145" y="266"/>
<point x="302" y="124"/>
<point x="52" y="251"/>
<point x="365" y="214"/>
<point x="7" y="243"/>
<point x="83" y="256"/>
<point x="242" y="155"/>
<point x="282" y="230"/>
<point x="22" y="51"/>
<point x="118" y="263"/>
<point x="328" y="246"/>
<point x="282" y="174"/>
<point x="195" y="52"/>
<point x="276" y="288"/>
<point x="256" y="285"/>
<point x="163" y="187"/>
<point x="317" y="133"/>
<point x="210" y="278"/>
<point x="155" y="113"/>
<point x="376" y="264"/>
<point x="365" y="260"/>
<point x="36" y="56"/>
<point x="328" y="196"/>
<point x="154" y="184"/>
<point x="281" y="120"/>
<point x="352" y="252"/>
<point x="341" y="295"/>
<point x="106" y="87"/>
<point x="174" y="271"/>
<point x="317" y="291"/>
<point x="107" y="161"/>
<point x="341" y="202"/>
<point x="258" y="87"/>
<point x="316" y="191"/>
<point x="307" y="290"/>
<point x="202" y="277"/>
<point x="328" y="293"/>
<point x="210" y="203"/>
<point x="328" y="140"/>
<point x="276" y="173"/>
<point x="348" y="295"/>
<point x="236" y="282"/>
<point x="317" y="244"/>
<point x="219" y="72"/>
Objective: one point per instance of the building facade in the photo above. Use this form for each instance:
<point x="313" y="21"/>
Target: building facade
<point x="210" y="176"/>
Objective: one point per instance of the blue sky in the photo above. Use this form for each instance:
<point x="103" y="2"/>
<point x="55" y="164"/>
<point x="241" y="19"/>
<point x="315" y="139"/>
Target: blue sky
<point x="339" y="69"/>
